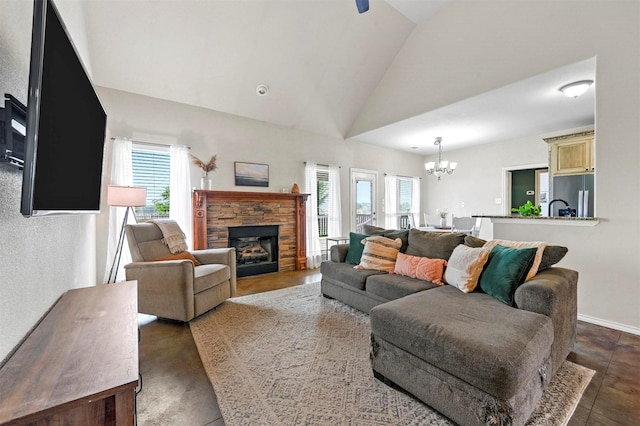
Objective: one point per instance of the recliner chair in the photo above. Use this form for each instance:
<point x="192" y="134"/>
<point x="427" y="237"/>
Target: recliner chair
<point x="177" y="289"/>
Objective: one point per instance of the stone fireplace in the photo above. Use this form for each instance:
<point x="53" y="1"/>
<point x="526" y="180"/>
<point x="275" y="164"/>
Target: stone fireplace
<point x="216" y="214"/>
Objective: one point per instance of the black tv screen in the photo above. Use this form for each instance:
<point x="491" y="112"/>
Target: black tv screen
<point x="66" y="124"/>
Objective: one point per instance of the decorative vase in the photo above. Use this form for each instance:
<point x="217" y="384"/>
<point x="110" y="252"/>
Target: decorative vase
<point x="205" y="183"/>
<point x="295" y="189"/>
<point x="443" y="222"/>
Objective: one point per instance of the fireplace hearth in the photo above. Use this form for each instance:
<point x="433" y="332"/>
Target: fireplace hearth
<point x="256" y="249"/>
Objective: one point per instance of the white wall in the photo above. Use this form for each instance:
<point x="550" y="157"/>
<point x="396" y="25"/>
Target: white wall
<point x="234" y="138"/>
<point x="470" y="48"/>
<point x="45" y="256"/>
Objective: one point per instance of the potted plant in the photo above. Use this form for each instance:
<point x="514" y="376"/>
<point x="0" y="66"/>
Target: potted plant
<point x="528" y="209"/>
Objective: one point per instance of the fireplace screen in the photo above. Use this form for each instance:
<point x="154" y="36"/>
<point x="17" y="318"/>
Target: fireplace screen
<point x="256" y="249"/>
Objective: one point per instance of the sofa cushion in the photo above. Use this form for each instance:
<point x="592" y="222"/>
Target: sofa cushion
<point x="389" y="233"/>
<point x="356" y="246"/>
<point x="347" y="274"/>
<point x="435" y="245"/>
<point x="550" y="256"/>
<point x="379" y="253"/>
<point x="422" y="268"/>
<point x="392" y="286"/>
<point x="465" y="266"/>
<point x="539" y="245"/>
<point x="472" y="336"/>
<point x="210" y="275"/>
<point x="505" y="270"/>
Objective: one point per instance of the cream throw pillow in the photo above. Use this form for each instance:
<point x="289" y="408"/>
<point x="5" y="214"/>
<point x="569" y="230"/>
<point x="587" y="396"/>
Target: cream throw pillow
<point x="540" y="245"/>
<point x="465" y="266"/>
<point x="380" y="253"/>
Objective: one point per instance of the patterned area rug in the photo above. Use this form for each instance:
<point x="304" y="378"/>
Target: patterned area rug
<point x="293" y="357"/>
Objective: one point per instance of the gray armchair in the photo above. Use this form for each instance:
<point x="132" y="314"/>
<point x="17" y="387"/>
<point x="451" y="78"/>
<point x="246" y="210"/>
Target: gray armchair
<point x="177" y="289"/>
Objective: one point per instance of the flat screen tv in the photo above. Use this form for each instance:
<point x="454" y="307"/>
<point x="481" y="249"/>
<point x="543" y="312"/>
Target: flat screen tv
<point x="66" y="124"/>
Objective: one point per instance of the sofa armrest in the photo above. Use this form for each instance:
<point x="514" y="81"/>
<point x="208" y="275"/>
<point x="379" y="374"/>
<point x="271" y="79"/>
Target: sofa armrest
<point x="554" y="293"/>
<point x="225" y="256"/>
<point x="338" y="252"/>
<point x="165" y="288"/>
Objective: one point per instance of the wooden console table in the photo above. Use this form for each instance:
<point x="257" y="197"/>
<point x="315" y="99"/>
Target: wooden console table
<point x="79" y="366"/>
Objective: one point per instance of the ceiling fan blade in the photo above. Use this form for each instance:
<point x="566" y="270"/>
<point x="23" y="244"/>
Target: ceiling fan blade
<point x="363" y="5"/>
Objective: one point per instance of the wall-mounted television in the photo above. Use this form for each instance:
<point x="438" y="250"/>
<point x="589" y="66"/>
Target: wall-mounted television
<point x="66" y="124"/>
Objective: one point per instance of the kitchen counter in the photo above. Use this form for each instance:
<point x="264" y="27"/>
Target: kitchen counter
<point x="542" y="220"/>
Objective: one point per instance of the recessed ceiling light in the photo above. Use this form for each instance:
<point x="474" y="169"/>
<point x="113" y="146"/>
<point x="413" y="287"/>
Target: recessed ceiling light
<point x="262" y="90"/>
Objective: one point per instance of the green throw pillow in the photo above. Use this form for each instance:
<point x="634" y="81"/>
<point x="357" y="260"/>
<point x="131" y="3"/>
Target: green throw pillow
<point x="505" y="270"/>
<point x="355" y="248"/>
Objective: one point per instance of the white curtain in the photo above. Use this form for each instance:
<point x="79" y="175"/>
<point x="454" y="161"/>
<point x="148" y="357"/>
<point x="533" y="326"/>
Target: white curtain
<point x="335" y="207"/>
<point x="415" y="200"/>
<point x="122" y="175"/>
<point x="314" y="253"/>
<point x="390" y="201"/>
<point x="180" y="190"/>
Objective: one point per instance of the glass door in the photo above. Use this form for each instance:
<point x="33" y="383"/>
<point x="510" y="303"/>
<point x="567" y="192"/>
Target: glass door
<point x="364" y="184"/>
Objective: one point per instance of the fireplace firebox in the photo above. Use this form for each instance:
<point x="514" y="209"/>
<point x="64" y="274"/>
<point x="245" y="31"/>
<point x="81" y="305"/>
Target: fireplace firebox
<point x="256" y="249"/>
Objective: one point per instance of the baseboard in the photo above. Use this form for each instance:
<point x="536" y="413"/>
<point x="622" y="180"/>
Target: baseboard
<point x="609" y="324"/>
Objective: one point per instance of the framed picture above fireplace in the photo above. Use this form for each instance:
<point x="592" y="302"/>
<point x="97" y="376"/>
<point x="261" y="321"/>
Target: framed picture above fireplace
<point x="251" y="174"/>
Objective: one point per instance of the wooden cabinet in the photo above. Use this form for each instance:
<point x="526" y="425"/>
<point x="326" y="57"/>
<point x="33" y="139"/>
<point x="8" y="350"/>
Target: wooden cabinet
<point x="79" y="366"/>
<point x="572" y="154"/>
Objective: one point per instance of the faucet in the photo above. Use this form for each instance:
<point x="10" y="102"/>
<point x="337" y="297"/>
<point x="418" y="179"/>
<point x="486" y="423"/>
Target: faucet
<point x="553" y="201"/>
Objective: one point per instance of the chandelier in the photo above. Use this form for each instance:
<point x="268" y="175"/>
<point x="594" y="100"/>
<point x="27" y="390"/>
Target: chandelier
<point x="441" y="167"/>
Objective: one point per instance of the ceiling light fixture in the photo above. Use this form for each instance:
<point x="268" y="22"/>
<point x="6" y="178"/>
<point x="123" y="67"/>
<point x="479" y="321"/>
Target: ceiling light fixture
<point x="262" y="90"/>
<point x="575" y="89"/>
<point x="441" y="167"/>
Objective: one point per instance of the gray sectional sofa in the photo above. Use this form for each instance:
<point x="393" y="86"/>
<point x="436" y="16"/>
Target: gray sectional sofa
<point x="470" y="356"/>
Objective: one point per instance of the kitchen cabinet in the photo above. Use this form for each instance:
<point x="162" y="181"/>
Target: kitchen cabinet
<point x="572" y="154"/>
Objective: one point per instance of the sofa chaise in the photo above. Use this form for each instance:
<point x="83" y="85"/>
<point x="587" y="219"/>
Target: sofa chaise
<point x="474" y="356"/>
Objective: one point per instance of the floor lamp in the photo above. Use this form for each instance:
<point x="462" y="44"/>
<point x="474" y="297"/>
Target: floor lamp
<point x="124" y="196"/>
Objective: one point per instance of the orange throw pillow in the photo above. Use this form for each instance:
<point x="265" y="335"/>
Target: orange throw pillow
<point x="184" y="255"/>
<point x="406" y="265"/>
<point x="431" y="270"/>
<point x="422" y="268"/>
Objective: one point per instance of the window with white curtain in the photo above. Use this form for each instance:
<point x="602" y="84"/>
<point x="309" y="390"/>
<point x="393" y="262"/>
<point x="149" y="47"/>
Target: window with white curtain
<point x="324" y="217"/>
<point x="151" y="169"/>
<point x="323" y="196"/>
<point x="403" y="202"/>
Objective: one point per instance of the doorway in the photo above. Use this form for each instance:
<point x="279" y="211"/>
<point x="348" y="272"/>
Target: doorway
<point x="364" y="187"/>
<point x="525" y="183"/>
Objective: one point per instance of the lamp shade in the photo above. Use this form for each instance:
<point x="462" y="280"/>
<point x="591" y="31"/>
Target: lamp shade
<point x="126" y="196"/>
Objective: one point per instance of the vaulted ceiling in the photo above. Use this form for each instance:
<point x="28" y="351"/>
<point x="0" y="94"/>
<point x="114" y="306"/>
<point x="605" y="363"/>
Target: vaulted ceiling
<point x="320" y="59"/>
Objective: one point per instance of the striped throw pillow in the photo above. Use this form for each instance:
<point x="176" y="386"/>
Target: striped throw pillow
<point x="380" y="253"/>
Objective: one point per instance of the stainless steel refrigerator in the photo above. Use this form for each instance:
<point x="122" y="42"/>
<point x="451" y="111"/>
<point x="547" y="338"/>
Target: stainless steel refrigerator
<point x="578" y="191"/>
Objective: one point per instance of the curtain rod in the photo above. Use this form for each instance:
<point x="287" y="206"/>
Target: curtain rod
<point x="324" y="165"/>
<point x="149" y="143"/>
<point x="400" y="176"/>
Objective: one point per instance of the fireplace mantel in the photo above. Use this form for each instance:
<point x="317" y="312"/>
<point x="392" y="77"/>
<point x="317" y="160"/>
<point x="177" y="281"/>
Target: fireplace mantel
<point x="215" y="211"/>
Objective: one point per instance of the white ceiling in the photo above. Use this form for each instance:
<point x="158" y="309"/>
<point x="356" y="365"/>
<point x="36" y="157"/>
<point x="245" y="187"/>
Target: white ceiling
<point x="320" y="58"/>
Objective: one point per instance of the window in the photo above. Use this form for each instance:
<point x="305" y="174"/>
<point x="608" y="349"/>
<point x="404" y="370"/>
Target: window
<point x="151" y="170"/>
<point x="322" y="176"/>
<point x="402" y="201"/>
